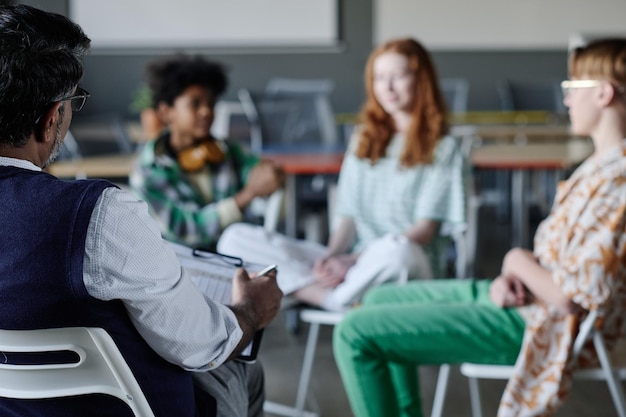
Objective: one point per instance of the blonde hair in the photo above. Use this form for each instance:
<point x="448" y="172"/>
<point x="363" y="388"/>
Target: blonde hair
<point x="603" y="59"/>
<point x="428" y="123"/>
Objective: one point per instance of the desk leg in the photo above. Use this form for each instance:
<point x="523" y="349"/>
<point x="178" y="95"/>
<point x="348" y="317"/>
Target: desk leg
<point x="519" y="209"/>
<point x="291" y="206"/>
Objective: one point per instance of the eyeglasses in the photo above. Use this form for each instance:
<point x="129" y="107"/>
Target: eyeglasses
<point x="78" y="99"/>
<point x="569" y="85"/>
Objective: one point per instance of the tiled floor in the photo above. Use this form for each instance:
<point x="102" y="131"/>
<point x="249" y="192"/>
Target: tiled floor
<point x="282" y="353"/>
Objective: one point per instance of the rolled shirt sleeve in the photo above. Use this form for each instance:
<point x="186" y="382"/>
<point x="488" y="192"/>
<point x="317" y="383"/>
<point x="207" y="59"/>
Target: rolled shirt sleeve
<point x="126" y="259"/>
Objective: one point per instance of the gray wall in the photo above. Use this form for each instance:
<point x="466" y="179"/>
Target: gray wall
<point x="112" y="79"/>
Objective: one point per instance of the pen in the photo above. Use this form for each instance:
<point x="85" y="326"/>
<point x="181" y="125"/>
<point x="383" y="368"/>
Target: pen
<point x="267" y="270"/>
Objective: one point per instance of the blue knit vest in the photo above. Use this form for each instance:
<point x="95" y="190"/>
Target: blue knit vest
<point x="43" y="221"/>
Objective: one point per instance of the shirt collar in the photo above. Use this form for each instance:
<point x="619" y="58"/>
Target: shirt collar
<point x="19" y="163"/>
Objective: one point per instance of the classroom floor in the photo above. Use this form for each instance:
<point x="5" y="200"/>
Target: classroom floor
<point x="282" y="352"/>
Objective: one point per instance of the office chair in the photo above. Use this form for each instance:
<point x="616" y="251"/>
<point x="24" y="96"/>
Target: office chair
<point x="455" y="93"/>
<point x="537" y="95"/>
<point x="101" y="134"/>
<point x="300" y="86"/>
<point x="289" y="120"/>
<point x="100" y="367"/>
<point x="295" y="122"/>
<point x="587" y="330"/>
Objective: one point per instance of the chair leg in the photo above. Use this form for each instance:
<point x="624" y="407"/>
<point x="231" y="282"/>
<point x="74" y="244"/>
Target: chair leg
<point x="440" y="390"/>
<point x="477" y="409"/>
<point x="307" y="365"/>
<point x="615" y="385"/>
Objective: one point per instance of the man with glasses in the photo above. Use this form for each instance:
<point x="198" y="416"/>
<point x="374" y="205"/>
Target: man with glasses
<point x="84" y="253"/>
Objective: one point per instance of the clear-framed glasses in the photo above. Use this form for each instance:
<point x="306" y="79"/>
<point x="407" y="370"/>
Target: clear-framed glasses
<point x="569" y="85"/>
<point x="78" y="99"/>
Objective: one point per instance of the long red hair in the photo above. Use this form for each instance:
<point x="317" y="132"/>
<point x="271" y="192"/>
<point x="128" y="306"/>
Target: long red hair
<point x="429" y="112"/>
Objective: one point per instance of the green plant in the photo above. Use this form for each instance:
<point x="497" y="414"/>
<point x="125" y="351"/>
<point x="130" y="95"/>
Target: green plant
<point x="142" y="99"/>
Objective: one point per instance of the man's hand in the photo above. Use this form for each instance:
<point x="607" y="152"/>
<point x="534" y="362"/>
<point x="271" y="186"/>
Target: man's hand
<point x="331" y="271"/>
<point x="507" y="291"/>
<point x="259" y="297"/>
<point x="255" y="302"/>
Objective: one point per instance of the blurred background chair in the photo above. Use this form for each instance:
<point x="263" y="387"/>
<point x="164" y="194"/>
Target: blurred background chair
<point x="100" y="134"/>
<point x="302" y="86"/>
<point x="296" y="116"/>
<point x="455" y="93"/>
<point x="539" y="95"/>
<point x="289" y="120"/>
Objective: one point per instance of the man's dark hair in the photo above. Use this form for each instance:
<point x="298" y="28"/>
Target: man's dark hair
<point x="168" y="78"/>
<point x="40" y="63"/>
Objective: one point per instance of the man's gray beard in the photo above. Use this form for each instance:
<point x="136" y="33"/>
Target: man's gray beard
<point x="56" y="148"/>
<point x="58" y="140"/>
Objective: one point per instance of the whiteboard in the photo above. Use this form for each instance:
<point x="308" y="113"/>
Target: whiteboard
<point x="496" y="24"/>
<point x="207" y="23"/>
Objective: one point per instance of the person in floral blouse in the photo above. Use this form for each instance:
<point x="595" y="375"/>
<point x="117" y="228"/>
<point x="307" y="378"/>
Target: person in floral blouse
<point x="530" y="313"/>
<point x="194" y="184"/>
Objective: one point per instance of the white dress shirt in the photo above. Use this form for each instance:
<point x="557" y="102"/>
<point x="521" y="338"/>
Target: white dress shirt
<point x="126" y="259"/>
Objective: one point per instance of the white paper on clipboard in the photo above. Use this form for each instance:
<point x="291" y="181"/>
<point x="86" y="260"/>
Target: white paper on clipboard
<point x="213" y="273"/>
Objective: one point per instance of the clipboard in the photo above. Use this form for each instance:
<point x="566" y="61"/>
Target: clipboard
<point x="212" y="273"/>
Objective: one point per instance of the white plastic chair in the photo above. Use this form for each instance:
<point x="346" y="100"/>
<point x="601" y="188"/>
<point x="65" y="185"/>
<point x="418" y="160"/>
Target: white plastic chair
<point x="272" y="210"/>
<point x="606" y="372"/>
<point x="100" y="368"/>
<point x="316" y="318"/>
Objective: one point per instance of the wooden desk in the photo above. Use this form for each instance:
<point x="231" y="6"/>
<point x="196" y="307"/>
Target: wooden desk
<point x="308" y="164"/>
<point x="107" y="166"/>
<point x="296" y="164"/>
<point x="513" y="132"/>
<point x="520" y="159"/>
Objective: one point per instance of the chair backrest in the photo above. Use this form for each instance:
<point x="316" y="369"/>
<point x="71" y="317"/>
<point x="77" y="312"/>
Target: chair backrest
<point x="587" y="330"/>
<point x="538" y="95"/>
<point x="283" y="120"/>
<point x="273" y="210"/>
<point x="455" y="93"/>
<point x="101" y="134"/>
<point x="97" y="366"/>
<point x="225" y="112"/>
<point x="300" y="86"/>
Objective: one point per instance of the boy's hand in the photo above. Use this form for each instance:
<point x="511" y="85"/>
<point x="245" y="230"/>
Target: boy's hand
<point x="264" y="179"/>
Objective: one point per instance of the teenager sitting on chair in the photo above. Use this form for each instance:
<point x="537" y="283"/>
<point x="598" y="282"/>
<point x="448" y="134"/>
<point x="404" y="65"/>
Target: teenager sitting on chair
<point x="578" y="264"/>
<point x="194" y="184"/>
<point x="401" y="179"/>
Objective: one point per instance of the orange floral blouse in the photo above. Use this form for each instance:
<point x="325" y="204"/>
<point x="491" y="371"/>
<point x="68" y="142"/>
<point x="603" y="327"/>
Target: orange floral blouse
<point x="583" y="243"/>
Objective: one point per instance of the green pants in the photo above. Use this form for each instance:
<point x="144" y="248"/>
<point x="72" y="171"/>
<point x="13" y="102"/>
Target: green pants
<point x="379" y="345"/>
